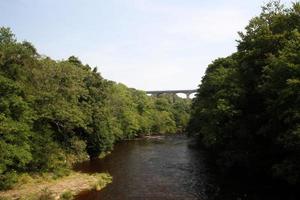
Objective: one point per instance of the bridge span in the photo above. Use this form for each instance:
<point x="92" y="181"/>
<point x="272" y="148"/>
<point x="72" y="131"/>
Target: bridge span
<point x="173" y="92"/>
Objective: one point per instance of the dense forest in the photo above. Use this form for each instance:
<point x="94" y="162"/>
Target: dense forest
<point x="247" y="109"/>
<point x="246" y="113"/>
<point x="54" y="113"/>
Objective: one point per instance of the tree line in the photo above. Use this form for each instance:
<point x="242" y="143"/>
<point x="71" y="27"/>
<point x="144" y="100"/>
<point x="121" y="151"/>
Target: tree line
<point x="54" y="113"/>
<point x="247" y="109"/>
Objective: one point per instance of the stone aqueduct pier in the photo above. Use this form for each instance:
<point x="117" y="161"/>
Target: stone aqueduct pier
<point x="173" y="92"/>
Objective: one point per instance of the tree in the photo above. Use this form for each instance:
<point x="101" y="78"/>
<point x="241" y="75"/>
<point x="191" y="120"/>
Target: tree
<point x="14" y="132"/>
<point x="247" y="108"/>
<point x="55" y="113"/>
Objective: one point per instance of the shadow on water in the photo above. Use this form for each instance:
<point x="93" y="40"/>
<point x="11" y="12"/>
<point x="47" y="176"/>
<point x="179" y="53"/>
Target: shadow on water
<point x="167" y="168"/>
<point x="236" y="187"/>
<point x="160" y="168"/>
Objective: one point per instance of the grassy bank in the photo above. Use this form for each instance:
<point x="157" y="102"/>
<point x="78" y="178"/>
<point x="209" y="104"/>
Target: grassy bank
<point x="45" y="187"/>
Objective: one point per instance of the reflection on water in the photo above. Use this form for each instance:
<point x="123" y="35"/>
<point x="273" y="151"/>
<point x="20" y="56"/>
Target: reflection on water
<point x="168" y="168"/>
<point x="159" y="168"/>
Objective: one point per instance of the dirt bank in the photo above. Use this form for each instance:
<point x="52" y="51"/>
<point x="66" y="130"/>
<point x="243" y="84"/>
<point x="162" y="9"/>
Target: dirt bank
<point x="40" y="188"/>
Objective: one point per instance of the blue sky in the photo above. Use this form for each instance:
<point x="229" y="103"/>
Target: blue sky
<point x="145" y="44"/>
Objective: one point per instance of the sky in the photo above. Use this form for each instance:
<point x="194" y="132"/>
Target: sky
<point x="145" y="44"/>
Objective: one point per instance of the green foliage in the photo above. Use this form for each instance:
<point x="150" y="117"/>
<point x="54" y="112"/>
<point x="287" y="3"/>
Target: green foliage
<point x="14" y="132"/>
<point x="247" y="108"/>
<point x="8" y="179"/>
<point x="66" y="196"/>
<point x="55" y="113"/>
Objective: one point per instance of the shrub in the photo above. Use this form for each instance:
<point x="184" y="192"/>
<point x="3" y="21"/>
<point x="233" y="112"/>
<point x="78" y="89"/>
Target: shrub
<point x="66" y="195"/>
<point x="8" y="180"/>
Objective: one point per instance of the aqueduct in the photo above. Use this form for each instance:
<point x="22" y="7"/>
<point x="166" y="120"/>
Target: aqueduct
<point x="173" y="92"/>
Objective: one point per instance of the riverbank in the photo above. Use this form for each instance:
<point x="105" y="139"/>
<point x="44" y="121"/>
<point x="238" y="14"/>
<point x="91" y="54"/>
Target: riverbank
<point x="63" y="188"/>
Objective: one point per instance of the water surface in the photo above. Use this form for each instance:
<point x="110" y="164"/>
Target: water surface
<point x="168" y="168"/>
<point x="163" y="168"/>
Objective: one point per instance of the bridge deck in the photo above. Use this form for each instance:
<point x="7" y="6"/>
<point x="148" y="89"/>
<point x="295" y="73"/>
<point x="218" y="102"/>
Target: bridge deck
<point x="170" y="91"/>
<point x="174" y="92"/>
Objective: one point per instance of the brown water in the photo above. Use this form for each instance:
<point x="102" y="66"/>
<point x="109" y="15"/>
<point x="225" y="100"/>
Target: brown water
<point x="163" y="168"/>
<point x="167" y="168"/>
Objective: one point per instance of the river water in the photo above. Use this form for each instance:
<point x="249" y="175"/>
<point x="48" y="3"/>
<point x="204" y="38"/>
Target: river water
<point x="162" y="168"/>
<point x="169" y="168"/>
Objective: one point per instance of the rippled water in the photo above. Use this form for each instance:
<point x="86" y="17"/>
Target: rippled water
<point x="163" y="168"/>
<point x="167" y="168"/>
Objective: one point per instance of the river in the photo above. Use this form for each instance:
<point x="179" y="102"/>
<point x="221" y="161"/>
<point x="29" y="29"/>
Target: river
<point x="162" y="168"/>
<point x="169" y="168"/>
